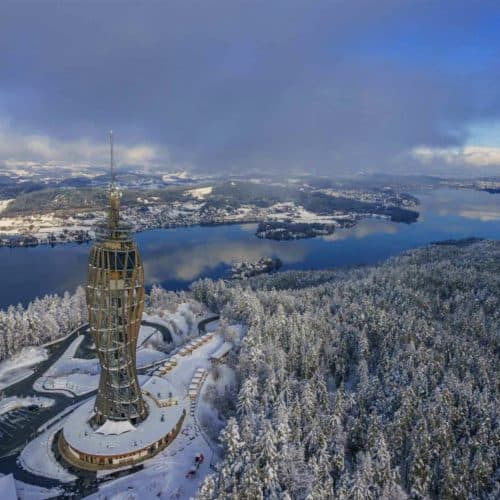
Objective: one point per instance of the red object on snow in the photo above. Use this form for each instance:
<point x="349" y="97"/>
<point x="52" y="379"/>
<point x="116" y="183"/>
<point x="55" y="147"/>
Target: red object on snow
<point x="198" y="459"/>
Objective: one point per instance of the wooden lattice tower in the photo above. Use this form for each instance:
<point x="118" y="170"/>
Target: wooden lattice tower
<point x="115" y="301"/>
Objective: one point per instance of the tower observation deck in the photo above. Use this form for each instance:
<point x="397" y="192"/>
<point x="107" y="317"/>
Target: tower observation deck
<point x="115" y="301"/>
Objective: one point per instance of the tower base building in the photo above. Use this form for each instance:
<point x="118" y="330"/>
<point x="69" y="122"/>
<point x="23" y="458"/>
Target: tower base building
<point x="120" y="443"/>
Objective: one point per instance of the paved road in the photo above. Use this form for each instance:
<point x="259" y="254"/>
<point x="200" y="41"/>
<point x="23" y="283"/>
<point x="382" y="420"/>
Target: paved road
<point x="167" y="336"/>
<point x="202" y="325"/>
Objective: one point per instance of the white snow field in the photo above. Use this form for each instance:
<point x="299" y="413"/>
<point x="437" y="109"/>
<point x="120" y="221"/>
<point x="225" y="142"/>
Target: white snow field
<point x="147" y="333"/>
<point x="37" y="457"/>
<point x="27" y="491"/>
<point x="15" y="402"/>
<point x="4" y="204"/>
<point x="70" y="375"/>
<point x="8" y="487"/>
<point x="200" y="193"/>
<point x="18" y="367"/>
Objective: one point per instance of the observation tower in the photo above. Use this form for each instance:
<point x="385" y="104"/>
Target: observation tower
<point x="115" y="301"/>
<point x="132" y="418"/>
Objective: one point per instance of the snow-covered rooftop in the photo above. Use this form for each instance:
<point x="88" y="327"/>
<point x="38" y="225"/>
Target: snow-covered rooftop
<point x="80" y="435"/>
<point x="115" y="427"/>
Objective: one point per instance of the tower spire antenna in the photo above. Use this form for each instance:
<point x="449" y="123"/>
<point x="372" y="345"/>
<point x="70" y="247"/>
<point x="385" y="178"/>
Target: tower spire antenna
<point x="114" y="194"/>
<point x="111" y="159"/>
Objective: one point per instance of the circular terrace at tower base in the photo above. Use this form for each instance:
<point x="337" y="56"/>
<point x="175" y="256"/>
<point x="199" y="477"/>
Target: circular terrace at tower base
<point x="119" y="443"/>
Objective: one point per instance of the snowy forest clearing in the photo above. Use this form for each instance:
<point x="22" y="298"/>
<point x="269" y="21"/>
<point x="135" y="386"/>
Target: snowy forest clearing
<point x="17" y="368"/>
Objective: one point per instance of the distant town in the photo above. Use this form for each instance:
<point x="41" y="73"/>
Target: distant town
<point x="56" y="211"/>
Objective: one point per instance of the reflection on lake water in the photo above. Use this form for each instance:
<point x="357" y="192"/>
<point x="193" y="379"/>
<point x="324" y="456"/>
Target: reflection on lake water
<point x="175" y="257"/>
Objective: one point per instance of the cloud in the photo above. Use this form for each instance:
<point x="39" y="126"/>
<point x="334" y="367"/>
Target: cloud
<point x="19" y="152"/>
<point x="470" y="204"/>
<point x="470" y="156"/>
<point x="481" y="215"/>
<point x="364" y="228"/>
<point x="234" y="86"/>
<point x="140" y="155"/>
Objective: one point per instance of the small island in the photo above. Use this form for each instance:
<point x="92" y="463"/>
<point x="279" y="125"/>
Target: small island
<point x="243" y="270"/>
<point x="283" y="230"/>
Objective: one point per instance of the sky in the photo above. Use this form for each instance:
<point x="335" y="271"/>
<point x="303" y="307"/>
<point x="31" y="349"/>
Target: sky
<point x="232" y="86"/>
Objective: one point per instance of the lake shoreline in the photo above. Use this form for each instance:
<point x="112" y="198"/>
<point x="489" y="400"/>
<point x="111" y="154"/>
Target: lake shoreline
<point x="176" y="257"/>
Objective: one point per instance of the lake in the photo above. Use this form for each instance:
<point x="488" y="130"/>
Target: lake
<point x="176" y="257"/>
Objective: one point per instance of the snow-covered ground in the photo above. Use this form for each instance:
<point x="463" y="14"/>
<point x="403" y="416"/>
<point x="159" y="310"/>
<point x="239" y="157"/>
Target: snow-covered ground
<point x="17" y="368"/>
<point x="147" y="356"/>
<point x="7" y="487"/>
<point x="147" y="333"/>
<point x="15" y="402"/>
<point x="289" y="210"/>
<point x="69" y="363"/>
<point x="70" y="375"/>
<point x="200" y="193"/>
<point x="73" y="384"/>
<point x="40" y="225"/>
<point x="163" y="476"/>
<point x="27" y="491"/>
<point x="4" y="204"/>
<point x="37" y="457"/>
